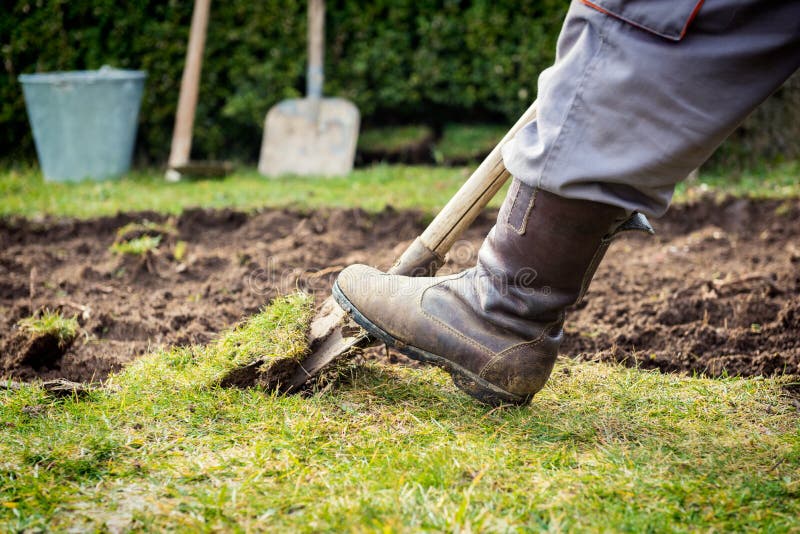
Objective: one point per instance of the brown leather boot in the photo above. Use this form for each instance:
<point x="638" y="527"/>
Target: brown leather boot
<point x="495" y="328"/>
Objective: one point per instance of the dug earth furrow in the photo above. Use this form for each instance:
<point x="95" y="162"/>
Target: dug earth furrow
<point x="715" y="291"/>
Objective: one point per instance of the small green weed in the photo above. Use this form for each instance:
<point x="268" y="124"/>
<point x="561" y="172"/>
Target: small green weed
<point x="141" y="238"/>
<point x="138" y="246"/>
<point x="179" y="252"/>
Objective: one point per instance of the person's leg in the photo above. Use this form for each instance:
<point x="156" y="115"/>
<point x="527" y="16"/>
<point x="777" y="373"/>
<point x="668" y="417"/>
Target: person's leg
<point x="623" y="115"/>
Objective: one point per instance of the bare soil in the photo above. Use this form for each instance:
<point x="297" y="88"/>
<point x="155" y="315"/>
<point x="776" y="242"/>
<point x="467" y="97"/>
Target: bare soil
<point x="715" y="291"/>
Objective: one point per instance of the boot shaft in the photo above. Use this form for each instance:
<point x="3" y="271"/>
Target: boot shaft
<point x="542" y="253"/>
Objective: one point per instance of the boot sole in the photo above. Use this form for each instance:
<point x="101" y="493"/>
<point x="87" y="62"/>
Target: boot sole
<point x="466" y="380"/>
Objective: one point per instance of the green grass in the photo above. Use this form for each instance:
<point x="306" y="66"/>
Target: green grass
<point x="465" y="142"/>
<point x="602" y="448"/>
<point x="775" y="182"/>
<point x="23" y="191"/>
<point x="393" y="139"/>
<point x="50" y="323"/>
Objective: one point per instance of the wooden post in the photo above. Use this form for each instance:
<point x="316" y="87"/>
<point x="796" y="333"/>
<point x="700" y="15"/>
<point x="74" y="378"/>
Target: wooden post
<point x="315" y="76"/>
<point x="190" y="88"/>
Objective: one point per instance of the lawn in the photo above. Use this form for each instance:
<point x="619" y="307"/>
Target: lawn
<point x="427" y="188"/>
<point x="602" y="447"/>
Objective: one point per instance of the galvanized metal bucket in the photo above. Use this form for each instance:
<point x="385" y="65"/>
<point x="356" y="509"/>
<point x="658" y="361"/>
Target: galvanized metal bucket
<point x="84" y="122"/>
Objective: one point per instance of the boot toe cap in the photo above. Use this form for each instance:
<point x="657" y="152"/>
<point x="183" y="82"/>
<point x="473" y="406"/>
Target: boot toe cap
<point x="355" y="280"/>
<point x="389" y="302"/>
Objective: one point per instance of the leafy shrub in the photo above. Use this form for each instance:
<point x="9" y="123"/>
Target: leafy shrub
<point x="400" y="61"/>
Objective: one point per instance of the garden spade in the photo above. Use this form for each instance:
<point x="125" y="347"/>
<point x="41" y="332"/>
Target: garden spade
<point x="333" y="337"/>
<point x="312" y="135"/>
<point x="179" y="164"/>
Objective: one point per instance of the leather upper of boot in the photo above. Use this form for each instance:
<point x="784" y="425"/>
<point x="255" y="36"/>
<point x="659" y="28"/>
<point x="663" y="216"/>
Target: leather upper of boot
<point x="437" y="315"/>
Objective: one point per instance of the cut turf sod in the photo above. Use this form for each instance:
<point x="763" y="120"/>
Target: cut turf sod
<point x="602" y="447"/>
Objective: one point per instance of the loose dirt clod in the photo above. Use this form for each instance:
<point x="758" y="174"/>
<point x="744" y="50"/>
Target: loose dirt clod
<point x="38" y="351"/>
<point x="39" y="341"/>
<point x="715" y="291"/>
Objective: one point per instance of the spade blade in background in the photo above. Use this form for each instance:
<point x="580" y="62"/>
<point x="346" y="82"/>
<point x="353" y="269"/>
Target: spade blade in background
<point x="308" y="136"/>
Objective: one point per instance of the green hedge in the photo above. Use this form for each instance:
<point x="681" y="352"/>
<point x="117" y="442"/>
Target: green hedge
<point x="398" y="60"/>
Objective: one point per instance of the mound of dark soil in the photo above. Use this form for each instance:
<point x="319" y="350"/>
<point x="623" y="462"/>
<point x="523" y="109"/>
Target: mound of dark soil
<point x="232" y="266"/>
<point x="715" y="291"/>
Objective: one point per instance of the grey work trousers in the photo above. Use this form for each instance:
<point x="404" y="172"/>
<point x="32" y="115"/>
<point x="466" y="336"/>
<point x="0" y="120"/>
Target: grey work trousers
<point x="643" y="91"/>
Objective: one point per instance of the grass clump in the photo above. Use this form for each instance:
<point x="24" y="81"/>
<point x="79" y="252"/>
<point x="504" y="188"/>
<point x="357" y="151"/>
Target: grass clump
<point x="138" y="246"/>
<point x="50" y="323"/>
<point x="141" y="238"/>
<point x="278" y="331"/>
<point x="602" y="447"/>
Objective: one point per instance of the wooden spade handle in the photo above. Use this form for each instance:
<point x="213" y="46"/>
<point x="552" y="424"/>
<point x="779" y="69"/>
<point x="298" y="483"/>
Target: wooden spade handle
<point x="426" y="254"/>
<point x="190" y="86"/>
<point x="316" y="48"/>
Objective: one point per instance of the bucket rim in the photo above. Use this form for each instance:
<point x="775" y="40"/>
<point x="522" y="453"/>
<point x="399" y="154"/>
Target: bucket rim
<point x="83" y="76"/>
